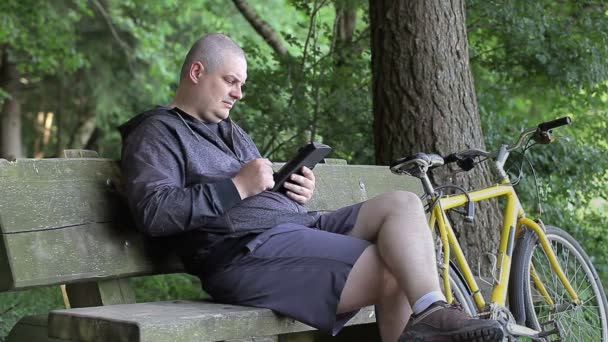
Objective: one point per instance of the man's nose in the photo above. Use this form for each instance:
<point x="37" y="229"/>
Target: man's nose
<point x="236" y="92"/>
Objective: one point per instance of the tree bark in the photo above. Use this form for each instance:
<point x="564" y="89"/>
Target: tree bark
<point x="344" y="29"/>
<point x="10" y="132"/>
<point x="424" y="98"/>
<point x="84" y="131"/>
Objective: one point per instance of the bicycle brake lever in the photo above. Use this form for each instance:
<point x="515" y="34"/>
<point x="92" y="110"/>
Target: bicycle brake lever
<point x="466" y="164"/>
<point x="543" y="137"/>
<point x="561" y="137"/>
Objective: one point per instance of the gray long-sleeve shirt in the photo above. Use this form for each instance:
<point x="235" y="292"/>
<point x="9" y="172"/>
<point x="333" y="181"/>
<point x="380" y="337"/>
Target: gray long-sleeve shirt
<point x="178" y="179"/>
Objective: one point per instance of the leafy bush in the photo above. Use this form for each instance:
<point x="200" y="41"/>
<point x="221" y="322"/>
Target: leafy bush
<point x="14" y="305"/>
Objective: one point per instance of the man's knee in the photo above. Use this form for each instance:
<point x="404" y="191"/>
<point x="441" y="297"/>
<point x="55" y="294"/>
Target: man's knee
<point x="396" y="201"/>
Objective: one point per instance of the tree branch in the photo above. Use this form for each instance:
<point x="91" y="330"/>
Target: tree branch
<point x="125" y="47"/>
<point x="261" y="27"/>
<point x="281" y="144"/>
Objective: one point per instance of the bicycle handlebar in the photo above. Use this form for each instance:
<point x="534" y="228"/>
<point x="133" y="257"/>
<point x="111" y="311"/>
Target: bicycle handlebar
<point x="466" y="159"/>
<point x="540" y="134"/>
<point x="545" y="126"/>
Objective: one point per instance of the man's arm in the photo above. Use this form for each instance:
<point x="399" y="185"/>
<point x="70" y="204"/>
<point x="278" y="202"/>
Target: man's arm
<point x="154" y="169"/>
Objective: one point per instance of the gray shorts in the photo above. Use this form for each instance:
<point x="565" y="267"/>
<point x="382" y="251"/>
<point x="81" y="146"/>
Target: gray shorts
<point x="295" y="270"/>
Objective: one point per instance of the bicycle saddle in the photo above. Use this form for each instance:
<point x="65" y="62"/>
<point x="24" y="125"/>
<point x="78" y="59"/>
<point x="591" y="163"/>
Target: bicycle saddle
<point x="416" y="164"/>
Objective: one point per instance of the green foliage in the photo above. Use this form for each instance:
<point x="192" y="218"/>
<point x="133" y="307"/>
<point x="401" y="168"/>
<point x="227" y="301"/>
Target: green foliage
<point x="540" y="42"/>
<point x="571" y="182"/>
<point x="167" y="287"/>
<point x="15" y="305"/>
<point x="41" y="35"/>
<point x="314" y="93"/>
<point x="536" y="61"/>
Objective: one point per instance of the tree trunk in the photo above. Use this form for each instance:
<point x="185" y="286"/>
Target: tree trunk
<point x="424" y="98"/>
<point x="84" y="131"/>
<point x="10" y="132"/>
<point x="344" y="29"/>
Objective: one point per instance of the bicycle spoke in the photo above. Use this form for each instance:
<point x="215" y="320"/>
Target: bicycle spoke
<point x="583" y="322"/>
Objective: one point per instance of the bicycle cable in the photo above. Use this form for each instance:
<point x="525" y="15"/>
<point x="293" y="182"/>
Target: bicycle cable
<point x="469" y="213"/>
<point x="520" y="173"/>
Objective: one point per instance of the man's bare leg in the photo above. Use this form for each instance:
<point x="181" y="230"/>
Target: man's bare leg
<point x="396" y="265"/>
<point x="370" y="282"/>
<point x="404" y="252"/>
<point x="397" y="224"/>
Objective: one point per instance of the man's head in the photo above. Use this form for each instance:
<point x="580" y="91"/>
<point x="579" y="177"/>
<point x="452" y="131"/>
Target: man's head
<point x="211" y="78"/>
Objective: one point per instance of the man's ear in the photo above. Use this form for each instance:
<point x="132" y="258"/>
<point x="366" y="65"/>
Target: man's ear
<point x="196" y="71"/>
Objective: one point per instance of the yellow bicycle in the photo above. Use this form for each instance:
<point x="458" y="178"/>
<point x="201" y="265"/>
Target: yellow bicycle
<point x="552" y="288"/>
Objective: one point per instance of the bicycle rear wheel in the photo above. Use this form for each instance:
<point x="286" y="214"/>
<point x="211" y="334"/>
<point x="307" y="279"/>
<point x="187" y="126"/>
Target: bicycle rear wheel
<point x="460" y="292"/>
<point x="584" y="322"/>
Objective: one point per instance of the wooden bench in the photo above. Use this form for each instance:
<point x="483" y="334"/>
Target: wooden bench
<point x="63" y="221"/>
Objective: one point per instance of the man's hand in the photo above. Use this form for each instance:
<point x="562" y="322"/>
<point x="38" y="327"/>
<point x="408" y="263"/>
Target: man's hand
<point x="254" y="177"/>
<point x="300" y="188"/>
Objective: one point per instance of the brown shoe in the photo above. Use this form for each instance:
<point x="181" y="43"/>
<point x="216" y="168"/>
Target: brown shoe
<point x="443" y="322"/>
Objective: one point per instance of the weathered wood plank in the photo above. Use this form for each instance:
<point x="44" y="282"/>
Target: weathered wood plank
<point x="50" y="193"/>
<point x="256" y="339"/>
<point x="80" y="154"/>
<point x="66" y="169"/>
<point x="77" y="191"/>
<point x="175" y="321"/>
<point x="68" y="225"/>
<point x="81" y="253"/>
<point x="342" y="185"/>
<point x="40" y="205"/>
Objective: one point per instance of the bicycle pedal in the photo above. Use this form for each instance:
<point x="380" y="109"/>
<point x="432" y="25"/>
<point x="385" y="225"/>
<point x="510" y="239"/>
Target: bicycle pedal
<point x="549" y="328"/>
<point x="513" y="331"/>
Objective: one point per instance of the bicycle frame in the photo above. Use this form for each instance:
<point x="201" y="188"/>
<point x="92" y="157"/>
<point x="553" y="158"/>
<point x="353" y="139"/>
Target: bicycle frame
<point x="514" y="218"/>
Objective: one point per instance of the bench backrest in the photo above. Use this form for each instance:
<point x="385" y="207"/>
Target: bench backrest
<point x="63" y="220"/>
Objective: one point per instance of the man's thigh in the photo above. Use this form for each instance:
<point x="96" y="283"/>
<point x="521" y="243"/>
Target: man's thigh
<point x="340" y="221"/>
<point x="294" y="270"/>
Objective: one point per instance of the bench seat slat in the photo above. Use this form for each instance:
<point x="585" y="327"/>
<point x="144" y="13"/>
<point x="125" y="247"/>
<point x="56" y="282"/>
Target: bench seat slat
<point x="175" y="321"/>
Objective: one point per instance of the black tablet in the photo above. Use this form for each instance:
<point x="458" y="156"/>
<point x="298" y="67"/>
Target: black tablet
<point x="308" y="155"/>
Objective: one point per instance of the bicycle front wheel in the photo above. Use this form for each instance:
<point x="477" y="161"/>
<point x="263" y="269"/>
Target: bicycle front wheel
<point x="546" y="300"/>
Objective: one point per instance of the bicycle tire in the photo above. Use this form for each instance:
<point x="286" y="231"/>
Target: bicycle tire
<point x="460" y="292"/>
<point x="586" y="322"/>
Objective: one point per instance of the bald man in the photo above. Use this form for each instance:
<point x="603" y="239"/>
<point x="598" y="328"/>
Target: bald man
<point x="196" y="179"/>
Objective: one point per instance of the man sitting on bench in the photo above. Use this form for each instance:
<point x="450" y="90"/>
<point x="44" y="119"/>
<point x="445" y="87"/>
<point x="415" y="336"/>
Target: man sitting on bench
<point x="195" y="178"/>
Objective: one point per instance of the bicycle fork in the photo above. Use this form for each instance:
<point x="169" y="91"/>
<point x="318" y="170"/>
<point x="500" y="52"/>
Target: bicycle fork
<point x="539" y="229"/>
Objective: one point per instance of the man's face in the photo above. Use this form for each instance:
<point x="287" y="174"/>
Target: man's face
<point x="219" y="89"/>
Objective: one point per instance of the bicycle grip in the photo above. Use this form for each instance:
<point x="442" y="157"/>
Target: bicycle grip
<point x="545" y="126"/>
